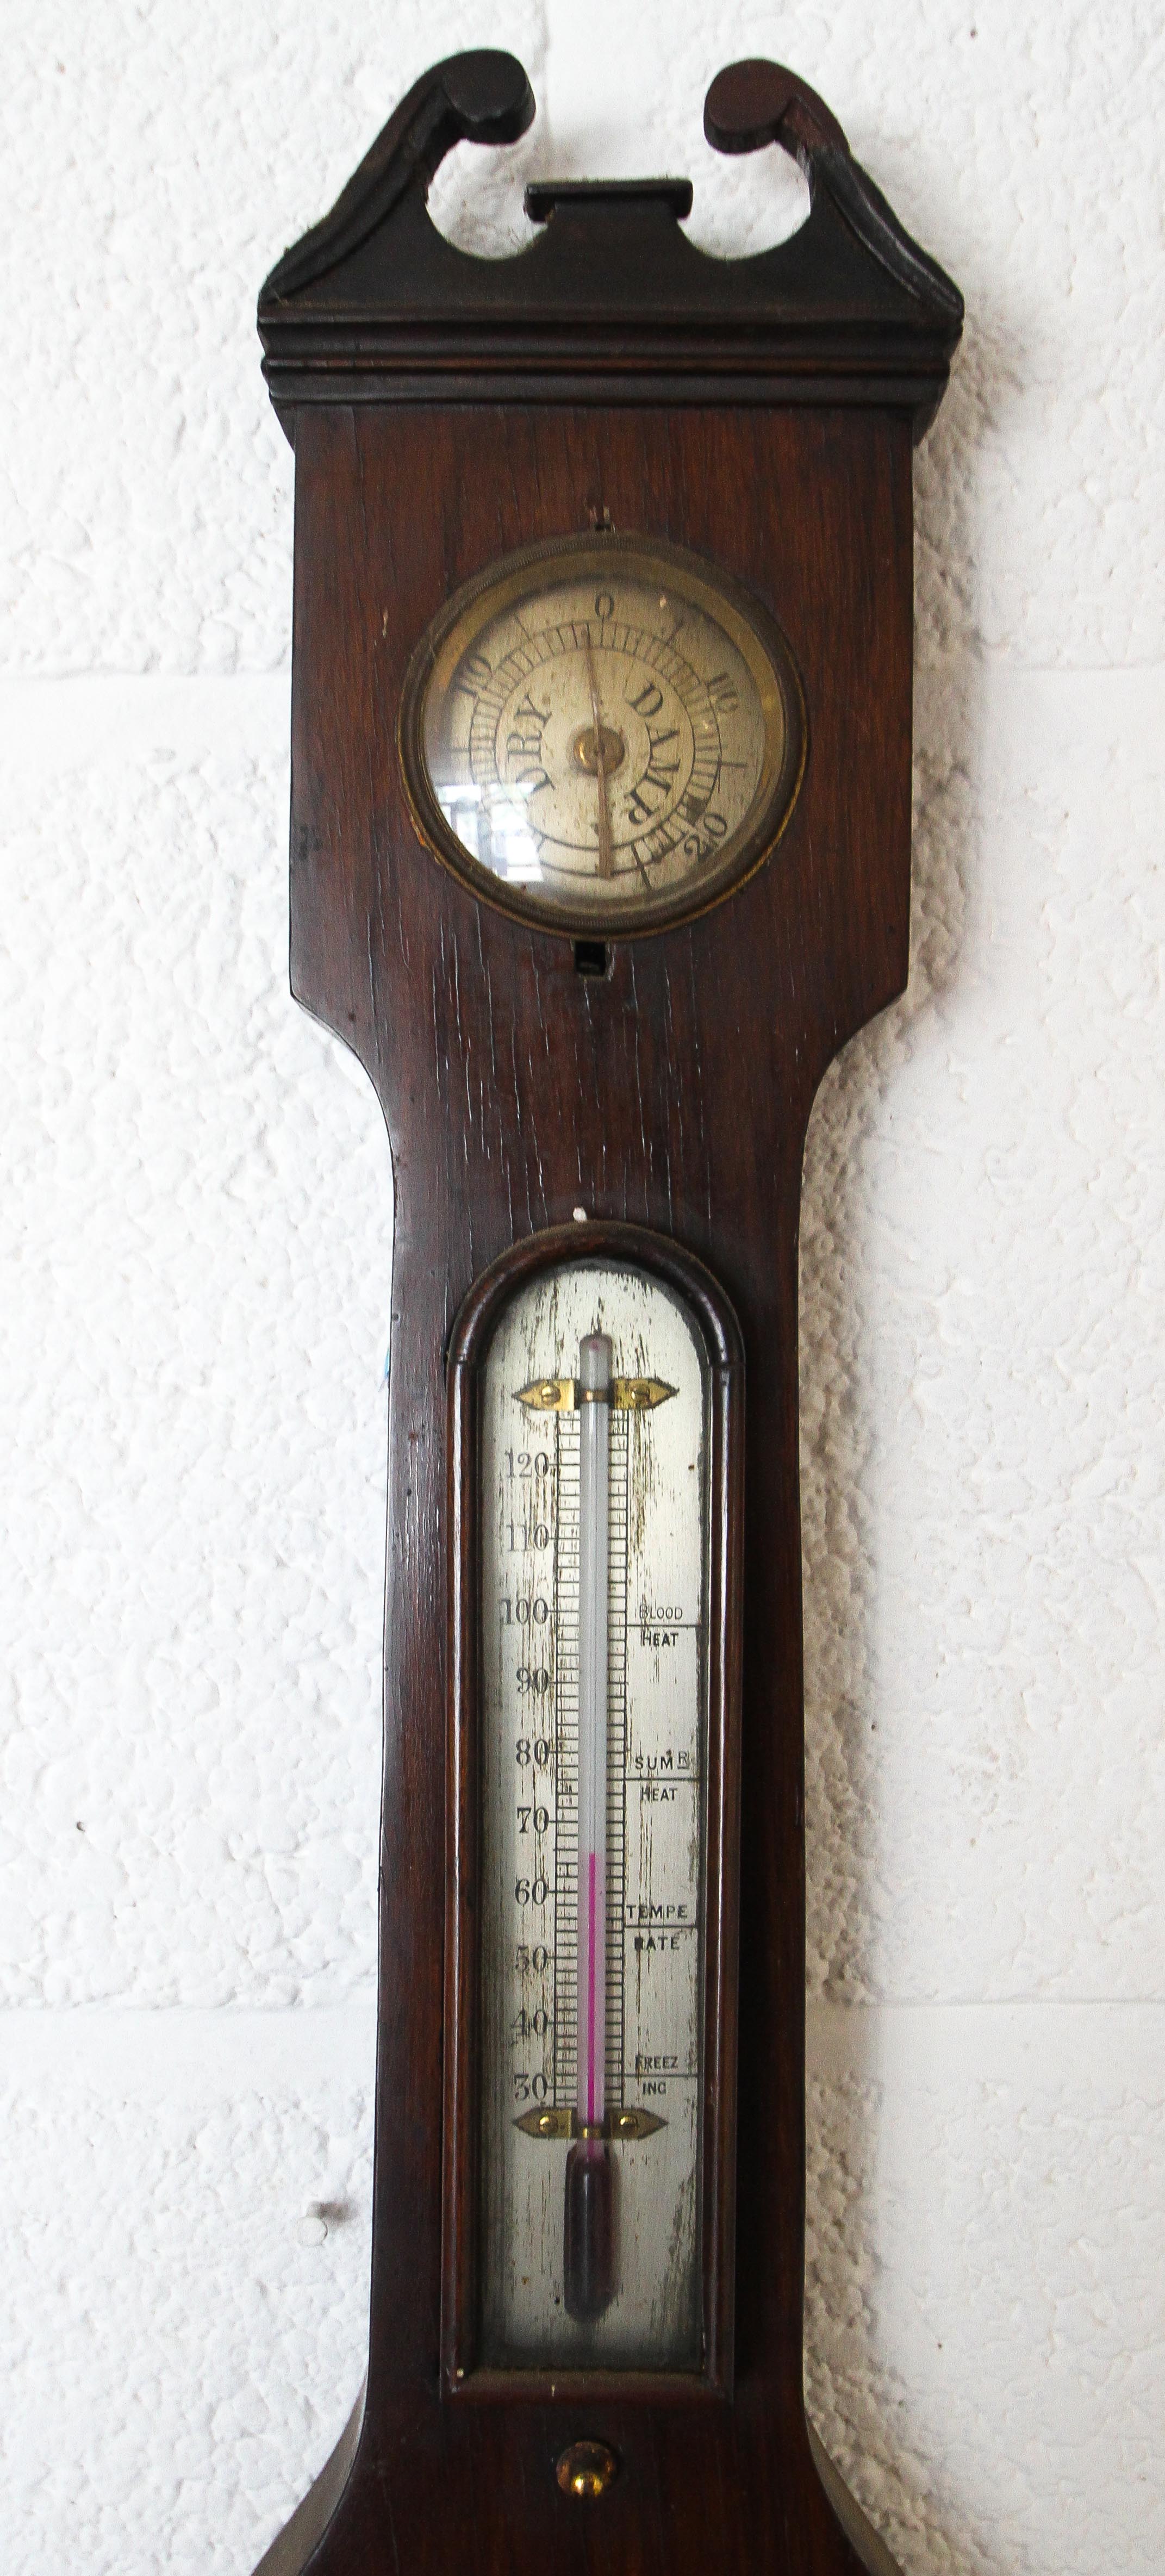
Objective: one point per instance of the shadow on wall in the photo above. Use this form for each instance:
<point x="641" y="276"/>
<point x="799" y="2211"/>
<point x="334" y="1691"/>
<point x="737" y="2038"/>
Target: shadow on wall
<point x="855" y="2387"/>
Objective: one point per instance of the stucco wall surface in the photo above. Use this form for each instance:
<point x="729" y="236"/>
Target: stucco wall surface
<point x="196" y="1206"/>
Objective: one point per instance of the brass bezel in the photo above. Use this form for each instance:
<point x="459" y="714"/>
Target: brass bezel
<point x="757" y="638"/>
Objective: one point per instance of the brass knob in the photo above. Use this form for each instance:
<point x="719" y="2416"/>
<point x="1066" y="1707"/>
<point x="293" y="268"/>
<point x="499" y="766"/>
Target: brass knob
<point x="586" y="2468"/>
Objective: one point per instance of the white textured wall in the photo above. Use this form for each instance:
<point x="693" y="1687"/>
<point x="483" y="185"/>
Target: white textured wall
<point x="196" y="1209"/>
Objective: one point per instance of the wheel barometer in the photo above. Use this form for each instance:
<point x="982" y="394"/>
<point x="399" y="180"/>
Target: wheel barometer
<point x="600" y="851"/>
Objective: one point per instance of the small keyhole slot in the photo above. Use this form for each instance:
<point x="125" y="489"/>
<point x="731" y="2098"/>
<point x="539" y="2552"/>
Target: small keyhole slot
<point x="590" y="957"/>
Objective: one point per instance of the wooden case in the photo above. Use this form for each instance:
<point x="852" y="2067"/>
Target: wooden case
<point x="445" y="410"/>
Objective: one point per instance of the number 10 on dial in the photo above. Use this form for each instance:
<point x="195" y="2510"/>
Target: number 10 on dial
<point x="589" y="2072"/>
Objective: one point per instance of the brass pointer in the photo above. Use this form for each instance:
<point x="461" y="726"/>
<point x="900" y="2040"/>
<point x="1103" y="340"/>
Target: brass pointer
<point x="563" y="1394"/>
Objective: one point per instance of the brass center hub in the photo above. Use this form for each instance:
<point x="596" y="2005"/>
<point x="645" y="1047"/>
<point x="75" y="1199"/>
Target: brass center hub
<point x="584" y="750"/>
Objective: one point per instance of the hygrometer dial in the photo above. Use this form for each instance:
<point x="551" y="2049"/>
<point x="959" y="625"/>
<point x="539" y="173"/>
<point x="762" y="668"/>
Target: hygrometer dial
<point x="602" y="734"/>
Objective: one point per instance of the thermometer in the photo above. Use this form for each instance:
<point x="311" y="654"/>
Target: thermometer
<point x="589" y="2230"/>
<point x="594" y="1465"/>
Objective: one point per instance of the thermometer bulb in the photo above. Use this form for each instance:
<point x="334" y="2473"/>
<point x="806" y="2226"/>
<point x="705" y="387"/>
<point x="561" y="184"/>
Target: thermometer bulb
<point x="588" y="2240"/>
<point x="589" y="2226"/>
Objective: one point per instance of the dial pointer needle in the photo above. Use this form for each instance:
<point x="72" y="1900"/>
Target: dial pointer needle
<point x="606" y="853"/>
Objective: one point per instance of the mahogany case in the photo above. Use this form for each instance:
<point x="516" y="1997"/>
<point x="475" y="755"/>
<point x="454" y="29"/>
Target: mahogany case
<point x="445" y="410"/>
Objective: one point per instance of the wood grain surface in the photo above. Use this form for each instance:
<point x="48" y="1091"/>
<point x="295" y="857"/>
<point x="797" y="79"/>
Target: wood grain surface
<point x="671" y="1092"/>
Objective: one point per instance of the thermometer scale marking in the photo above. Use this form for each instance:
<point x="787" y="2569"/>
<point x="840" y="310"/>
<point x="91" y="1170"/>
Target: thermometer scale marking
<point x="593" y="1817"/>
<point x="566" y="2086"/>
<point x="589" y="2254"/>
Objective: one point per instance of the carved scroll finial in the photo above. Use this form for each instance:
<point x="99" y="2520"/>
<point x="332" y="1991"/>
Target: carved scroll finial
<point x="481" y="97"/>
<point x="757" y="102"/>
<point x="754" y="103"/>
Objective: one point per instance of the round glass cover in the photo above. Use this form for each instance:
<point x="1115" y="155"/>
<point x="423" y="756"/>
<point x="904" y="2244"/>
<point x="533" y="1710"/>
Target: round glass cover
<point x="602" y="733"/>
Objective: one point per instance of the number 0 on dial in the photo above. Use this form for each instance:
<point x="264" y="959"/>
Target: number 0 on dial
<point x="603" y="733"/>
